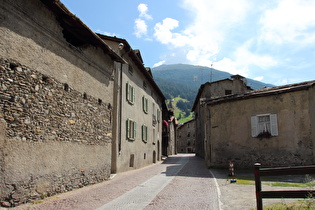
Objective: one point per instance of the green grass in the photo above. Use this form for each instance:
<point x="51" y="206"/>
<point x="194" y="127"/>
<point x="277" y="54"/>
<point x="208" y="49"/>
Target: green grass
<point x="274" y="182"/>
<point x="178" y="111"/>
<point x="284" y="181"/>
<point x="308" y="203"/>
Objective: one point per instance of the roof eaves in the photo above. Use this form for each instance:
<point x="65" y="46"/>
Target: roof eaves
<point x="262" y="92"/>
<point x="76" y="28"/>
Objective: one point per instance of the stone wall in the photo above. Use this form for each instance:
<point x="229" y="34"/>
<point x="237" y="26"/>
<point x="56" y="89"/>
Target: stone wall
<point x="53" y="138"/>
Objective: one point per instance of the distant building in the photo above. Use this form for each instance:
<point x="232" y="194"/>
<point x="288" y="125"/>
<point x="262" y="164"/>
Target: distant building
<point x="186" y="137"/>
<point x="170" y="124"/>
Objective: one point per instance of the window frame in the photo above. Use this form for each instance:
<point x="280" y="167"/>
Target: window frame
<point x="145" y="104"/>
<point x="144" y="132"/>
<point x="131" y="129"/>
<point x="130" y="93"/>
<point x="256" y="131"/>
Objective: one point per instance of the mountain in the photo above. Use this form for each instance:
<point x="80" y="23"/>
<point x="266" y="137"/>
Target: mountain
<point x="184" y="80"/>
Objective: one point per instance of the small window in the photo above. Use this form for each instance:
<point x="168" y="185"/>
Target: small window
<point x="130" y="93"/>
<point x="144" y="133"/>
<point x="228" y="92"/>
<point x="131" y="129"/>
<point x="264" y="125"/>
<point x="130" y="70"/>
<point x="145" y="104"/>
<point x="144" y="85"/>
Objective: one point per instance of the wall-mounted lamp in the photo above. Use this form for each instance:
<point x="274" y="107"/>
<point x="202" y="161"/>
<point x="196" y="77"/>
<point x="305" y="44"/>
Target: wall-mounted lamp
<point x="120" y="46"/>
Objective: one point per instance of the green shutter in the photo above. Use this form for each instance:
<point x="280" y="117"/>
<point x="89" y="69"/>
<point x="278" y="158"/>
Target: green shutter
<point x="143" y="104"/>
<point x="133" y="95"/>
<point x="127" y="129"/>
<point x="134" y="130"/>
<point x="127" y="91"/>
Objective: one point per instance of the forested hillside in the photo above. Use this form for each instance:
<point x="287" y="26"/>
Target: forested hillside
<point x="183" y="81"/>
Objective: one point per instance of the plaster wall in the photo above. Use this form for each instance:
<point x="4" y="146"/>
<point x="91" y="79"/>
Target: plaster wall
<point x="144" y="153"/>
<point x="230" y="131"/>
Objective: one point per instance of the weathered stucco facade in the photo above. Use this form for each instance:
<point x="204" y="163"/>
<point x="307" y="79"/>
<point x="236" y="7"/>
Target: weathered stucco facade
<point x="273" y="126"/>
<point x="230" y="128"/>
<point x="138" y="111"/>
<point x="56" y="99"/>
<point x="235" y="85"/>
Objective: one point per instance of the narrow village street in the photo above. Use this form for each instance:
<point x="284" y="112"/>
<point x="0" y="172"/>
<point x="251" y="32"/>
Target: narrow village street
<point x="180" y="182"/>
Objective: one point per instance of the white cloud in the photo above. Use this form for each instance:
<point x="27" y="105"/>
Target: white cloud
<point x="290" y="21"/>
<point x="260" y="78"/>
<point x="202" y="38"/>
<point x="163" y="33"/>
<point x="143" y="9"/>
<point x="141" y="28"/>
<point x="244" y="57"/>
<point x="159" y="63"/>
<point x="226" y="64"/>
<point x="244" y="60"/>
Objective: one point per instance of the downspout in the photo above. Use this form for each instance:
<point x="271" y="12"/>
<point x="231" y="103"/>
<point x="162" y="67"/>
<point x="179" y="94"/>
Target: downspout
<point x="120" y="109"/>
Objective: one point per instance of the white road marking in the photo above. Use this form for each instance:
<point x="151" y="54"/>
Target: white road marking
<point x="141" y="196"/>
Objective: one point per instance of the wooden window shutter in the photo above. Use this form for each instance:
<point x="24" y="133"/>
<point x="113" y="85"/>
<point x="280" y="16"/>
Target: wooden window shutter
<point x="254" y="126"/>
<point x="127" y="91"/>
<point x="273" y="125"/>
<point x="128" y="128"/>
<point x="134" y="130"/>
<point x="133" y="95"/>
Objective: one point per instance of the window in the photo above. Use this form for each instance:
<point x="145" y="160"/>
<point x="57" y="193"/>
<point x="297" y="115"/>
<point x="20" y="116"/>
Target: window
<point x="228" y="92"/>
<point x="158" y="115"/>
<point x="264" y="125"/>
<point x="130" y="70"/>
<point x="144" y="133"/>
<point x="153" y="133"/>
<point x="145" y="104"/>
<point x="131" y="129"/>
<point x="130" y="93"/>
<point x="153" y="115"/>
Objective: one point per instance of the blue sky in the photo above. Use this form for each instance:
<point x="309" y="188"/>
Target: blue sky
<point x="272" y="41"/>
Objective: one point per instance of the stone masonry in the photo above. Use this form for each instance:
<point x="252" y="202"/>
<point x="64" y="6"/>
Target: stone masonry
<point x="59" y="125"/>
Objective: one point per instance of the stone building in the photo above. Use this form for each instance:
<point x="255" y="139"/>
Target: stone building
<point x="235" y="85"/>
<point x="186" y="137"/>
<point x="75" y="106"/>
<point x="170" y="124"/>
<point x="137" y="134"/>
<point x="274" y="126"/>
<point x="56" y="102"/>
